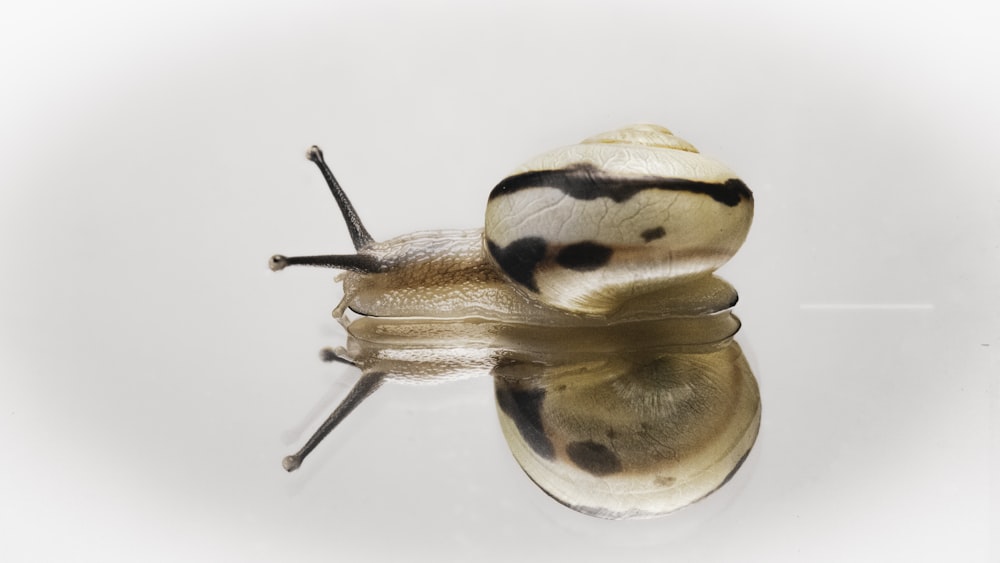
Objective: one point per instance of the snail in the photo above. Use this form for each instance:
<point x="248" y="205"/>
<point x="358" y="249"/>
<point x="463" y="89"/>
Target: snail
<point x="589" y="296"/>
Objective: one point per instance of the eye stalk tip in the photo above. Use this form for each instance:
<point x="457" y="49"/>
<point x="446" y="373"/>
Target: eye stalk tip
<point x="328" y="355"/>
<point x="291" y="463"/>
<point x="314" y="154"/>
<point x="338" y="354"/>
<point x="277" y="262"/>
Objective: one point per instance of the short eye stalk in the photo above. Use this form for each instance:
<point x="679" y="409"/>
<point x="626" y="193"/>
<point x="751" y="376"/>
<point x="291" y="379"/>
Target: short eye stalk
<point x="364" y="263"/>
<point x="360" y="262"/>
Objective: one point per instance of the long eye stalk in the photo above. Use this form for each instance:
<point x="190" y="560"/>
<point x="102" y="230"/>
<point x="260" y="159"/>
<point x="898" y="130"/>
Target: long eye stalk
<point x="359" y="234"/>
<point x="365" y="386"/>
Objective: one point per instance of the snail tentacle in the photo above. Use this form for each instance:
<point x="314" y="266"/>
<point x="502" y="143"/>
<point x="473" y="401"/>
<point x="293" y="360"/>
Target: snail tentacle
<point x="365" y="386"/>
<point x="359" y="234"/>
<point x="364" y="263"/>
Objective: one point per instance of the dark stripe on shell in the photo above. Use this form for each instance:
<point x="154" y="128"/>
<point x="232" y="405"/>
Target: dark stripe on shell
<point x="525" y="409"/>
<point x="587" y="182"/>
<point x="594" y="458"/>
<point x="519" y="259"/>
<point x="584" y="256"/>
<point x="649" y="235"/>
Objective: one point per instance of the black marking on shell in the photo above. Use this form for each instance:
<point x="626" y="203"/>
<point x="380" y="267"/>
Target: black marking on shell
<point x="593" y="458"/>
<point x="525" y="409"/>
<point x="584" y="256"/>
<point x="519" y="259"/>
<point x="586" y="181"/>
<point x="649" y="235"/>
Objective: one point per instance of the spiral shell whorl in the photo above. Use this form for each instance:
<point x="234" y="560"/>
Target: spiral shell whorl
<point x="636" y="150"/>
<point x="647" y="135"/>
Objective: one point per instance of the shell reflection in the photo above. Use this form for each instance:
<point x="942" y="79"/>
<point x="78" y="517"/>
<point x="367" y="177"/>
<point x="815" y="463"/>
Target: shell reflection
<point x="635" y="435"/>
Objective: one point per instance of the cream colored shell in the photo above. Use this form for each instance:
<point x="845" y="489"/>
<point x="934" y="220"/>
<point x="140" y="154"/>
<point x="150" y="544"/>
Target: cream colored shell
<point x="671" y="229"/>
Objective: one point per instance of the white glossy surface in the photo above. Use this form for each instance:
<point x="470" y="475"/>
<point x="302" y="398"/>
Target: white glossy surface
<point x="153" y="371"/>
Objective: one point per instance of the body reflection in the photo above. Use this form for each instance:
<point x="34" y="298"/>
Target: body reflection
<point x="627" y="419"/>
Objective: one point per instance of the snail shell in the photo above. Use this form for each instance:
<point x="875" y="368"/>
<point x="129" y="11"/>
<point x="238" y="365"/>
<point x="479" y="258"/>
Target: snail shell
<point x="587" y="227"/>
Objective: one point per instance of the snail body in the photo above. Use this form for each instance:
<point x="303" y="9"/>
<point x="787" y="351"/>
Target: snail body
<point x="589" y="297"/>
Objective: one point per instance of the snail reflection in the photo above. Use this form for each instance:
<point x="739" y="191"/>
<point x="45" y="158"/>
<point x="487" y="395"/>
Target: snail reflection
<point x="589" y="298"/>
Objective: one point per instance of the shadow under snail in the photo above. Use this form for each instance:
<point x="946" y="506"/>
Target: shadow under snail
<point x="589" y="298"/>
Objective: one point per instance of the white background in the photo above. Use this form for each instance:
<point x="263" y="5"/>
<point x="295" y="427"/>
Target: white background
<point x="154" y="371"/>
